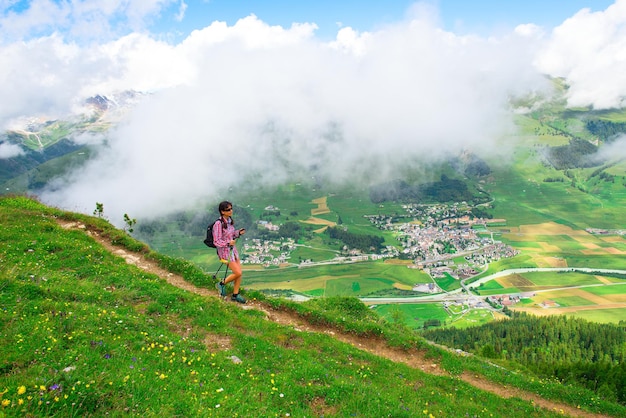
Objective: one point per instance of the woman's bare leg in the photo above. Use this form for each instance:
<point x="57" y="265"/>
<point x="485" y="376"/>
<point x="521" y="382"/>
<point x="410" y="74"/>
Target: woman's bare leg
<point x="235" y="276"/>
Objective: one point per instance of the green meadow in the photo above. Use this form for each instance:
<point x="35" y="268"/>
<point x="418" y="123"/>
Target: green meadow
<point x="415" y="315"/>
<point x="607" y="315"/>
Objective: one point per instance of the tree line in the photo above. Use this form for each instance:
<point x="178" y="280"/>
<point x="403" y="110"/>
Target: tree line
<point x="572" y="350"/>
<point x="365" y="243"/>
<point x="445" y="190"/>
<point x="577" y="154"/>
<point x="605" y="129"/>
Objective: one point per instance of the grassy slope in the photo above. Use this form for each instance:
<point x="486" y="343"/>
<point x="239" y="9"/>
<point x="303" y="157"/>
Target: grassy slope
<point x="83" y="333"/>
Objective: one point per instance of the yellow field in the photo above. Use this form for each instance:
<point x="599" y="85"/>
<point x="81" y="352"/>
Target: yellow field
<point x="549" y="247"/>
<point x="402" y="286"/>
<point x="550" y="228"/>
<point x="617" y="300"/>
<point x="603" y="279"/>
<point x="597" y="302"/>
<point x="319" y="221"/>
<point x="546" y="261"/>
<point x="612" y="239"/>
<point x="590" y="242"/>
<point x="515" y="280"/>
<point x="600" y="300"/>
<point x="530" y="232"/>
<point x="599" y="251"/>
<point x="321" y="208"/>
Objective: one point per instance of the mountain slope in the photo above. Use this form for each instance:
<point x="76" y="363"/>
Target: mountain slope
<point x="86" y="333"/>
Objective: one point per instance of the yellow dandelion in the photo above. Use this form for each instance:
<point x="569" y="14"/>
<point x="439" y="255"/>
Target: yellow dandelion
<point x="6" y="402"/>
<point x="21" y="390"/>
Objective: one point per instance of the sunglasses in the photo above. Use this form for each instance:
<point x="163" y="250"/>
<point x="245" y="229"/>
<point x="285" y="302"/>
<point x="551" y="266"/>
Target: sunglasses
<point x="228" y="210"/>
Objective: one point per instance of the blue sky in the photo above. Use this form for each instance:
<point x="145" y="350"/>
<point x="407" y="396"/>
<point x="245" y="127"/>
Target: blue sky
<point x="482" y="17"/>
<point x="83" y="20"/>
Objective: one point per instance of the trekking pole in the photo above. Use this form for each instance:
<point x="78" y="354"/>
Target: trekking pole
<point x="217" y="272"/>
<point x="222" y="264"/>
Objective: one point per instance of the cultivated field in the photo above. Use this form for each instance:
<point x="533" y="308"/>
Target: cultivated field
<point x="582" y="295"/>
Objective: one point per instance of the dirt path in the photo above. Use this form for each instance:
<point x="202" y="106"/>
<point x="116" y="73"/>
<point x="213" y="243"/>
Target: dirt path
<point x="412" y="358"/>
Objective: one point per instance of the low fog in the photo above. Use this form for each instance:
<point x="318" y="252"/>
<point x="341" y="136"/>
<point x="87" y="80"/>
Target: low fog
<point x="234" y="105"/>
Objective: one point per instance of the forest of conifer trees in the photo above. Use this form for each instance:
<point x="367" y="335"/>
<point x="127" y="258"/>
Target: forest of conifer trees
<point x="573" y="350"/>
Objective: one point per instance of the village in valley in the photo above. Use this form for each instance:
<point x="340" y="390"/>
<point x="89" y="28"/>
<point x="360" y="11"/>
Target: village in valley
<point x="432" y="236"/>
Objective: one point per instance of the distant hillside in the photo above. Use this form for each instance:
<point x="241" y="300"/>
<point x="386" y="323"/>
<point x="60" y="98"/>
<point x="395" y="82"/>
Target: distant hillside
<point x="30" y="160"/>
<point x="43" y="140"/>
<point x="446" y="190"/>
<point x="577" y="154"/>
<point x="606" y="130"/>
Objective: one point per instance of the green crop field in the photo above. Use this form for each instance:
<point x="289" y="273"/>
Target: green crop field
<point x="601" y="315"/>
<point x="618" y="289"/>
<point x="391" y="273"/>
<point x="572" y="301"/>
<point x="558" y="279"/>
<point x="414" y="314"/>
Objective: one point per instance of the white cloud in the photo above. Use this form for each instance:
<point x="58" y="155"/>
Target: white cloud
<point x="253" y="100"/>
<point x="264" y="102"/>
<point x="589" y="50"/>
<point x="42" y="76"/>
<point x="613" y="150"/>
<point x="10" y="150"/>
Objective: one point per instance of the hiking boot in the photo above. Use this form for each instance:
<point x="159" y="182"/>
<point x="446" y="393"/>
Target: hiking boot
<point x="238" y="298"/>
<point x="221" y="288"/>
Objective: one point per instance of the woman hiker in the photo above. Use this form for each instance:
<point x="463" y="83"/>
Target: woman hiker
<point x="224" y="236"/>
